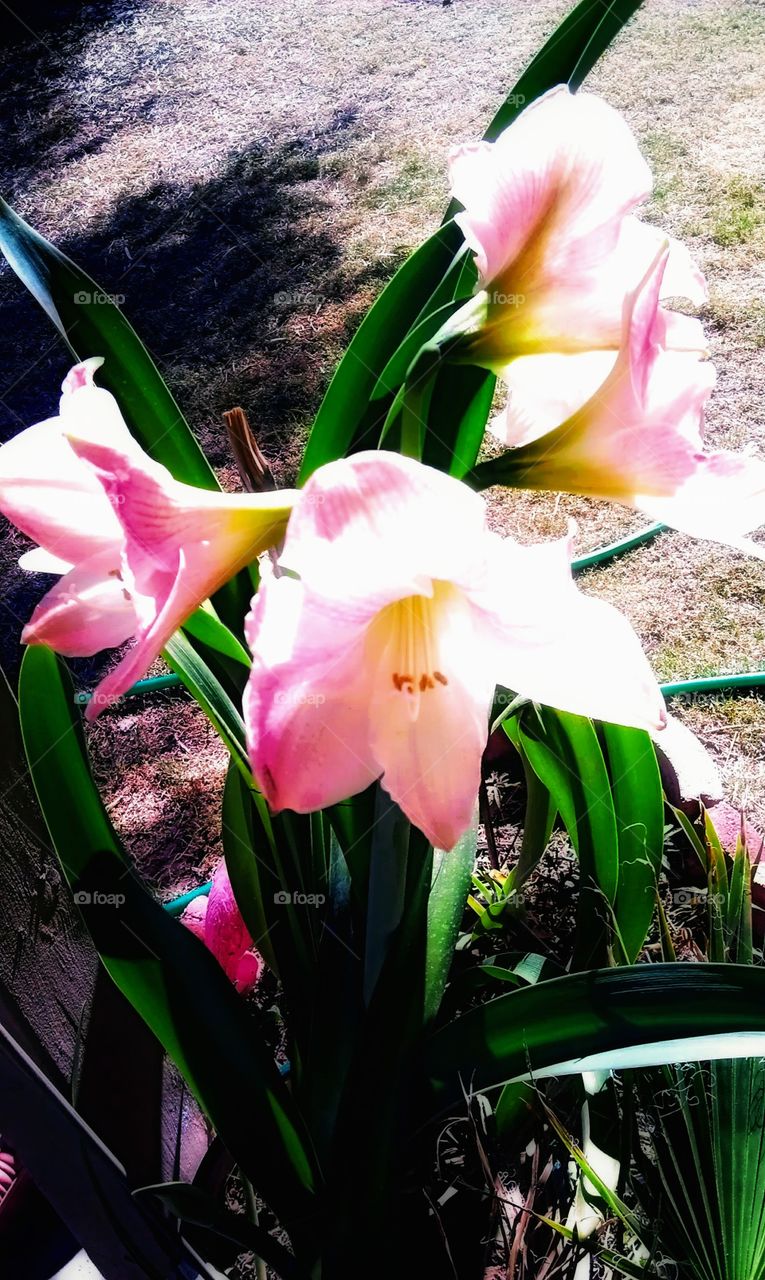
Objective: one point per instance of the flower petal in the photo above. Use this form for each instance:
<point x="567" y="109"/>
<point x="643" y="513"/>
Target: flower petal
<point x="181" y="545"/>
<point x="638" y="439"/>
<point x="565" y="172"/>
<point x="545" y="390"/>
<point x="306" y="706"/>
<point x="219" y="533"/>
<point x="558" y="646"/>
<point x="377" y="527"/>
<point x="226" y="934"/>
<point x="53" y="497"/>
<point x="89" y="609"/>
<point x="429" y="742"/>
<point x="38" y="560"/>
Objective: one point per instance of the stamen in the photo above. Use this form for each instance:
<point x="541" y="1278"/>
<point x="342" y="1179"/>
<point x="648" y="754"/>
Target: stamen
<point x="415" y="645"/>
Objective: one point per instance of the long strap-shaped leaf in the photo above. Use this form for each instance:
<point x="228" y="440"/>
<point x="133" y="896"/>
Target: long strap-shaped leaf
<point x="632" y="1016"/>
<point x="168" y="976"/>
<point x="345" y="418"/>
<point x="92" y="325"/>
<point x="564" y="752"/>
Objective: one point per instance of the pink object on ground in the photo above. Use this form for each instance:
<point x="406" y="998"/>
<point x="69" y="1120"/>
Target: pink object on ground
<point x="217" y="921"/>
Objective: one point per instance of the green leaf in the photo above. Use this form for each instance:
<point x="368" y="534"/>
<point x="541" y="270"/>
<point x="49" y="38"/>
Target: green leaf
<point x="345" y="412"/>
<point x="92" y="325"/>
<point x="564" y="752"/>
<point x="207" y="690"/>
<point x="539" y="816"/>
<point x="169" y="977"/>
<point x="205" y="626"/>
<point x="449" y="888"/>
<point x="638" y="801"/>
<point x="604" y="1019"/>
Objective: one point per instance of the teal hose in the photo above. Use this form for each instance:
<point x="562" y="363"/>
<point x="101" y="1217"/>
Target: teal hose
<point x="151" y="685"/>
<point x="614" y="549"/>
<point x="711" y="684"/>
<point x="176" y="906"/>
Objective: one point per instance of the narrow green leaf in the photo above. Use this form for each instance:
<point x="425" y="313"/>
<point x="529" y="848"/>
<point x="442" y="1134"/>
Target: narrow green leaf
<point x="169" y="977"/>
<point x="205" y="626"/>
<point x="634" y="1016"/>
<point x="564" y="752"/>
<point x="638" y="802"/>
<point x="207" y="690"/>
<point x="446" y="905"/>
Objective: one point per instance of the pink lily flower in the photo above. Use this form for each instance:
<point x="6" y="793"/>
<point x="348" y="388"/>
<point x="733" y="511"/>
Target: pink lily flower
<point x="548" y="214"/>
<point x="378" y="645"/>
<point x="139" y="551"/>
<point x="217" y="921"/>
<point x="637" y="439"/>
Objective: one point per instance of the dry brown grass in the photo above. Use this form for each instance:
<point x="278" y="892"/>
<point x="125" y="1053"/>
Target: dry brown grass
<point x="248" y="176"/>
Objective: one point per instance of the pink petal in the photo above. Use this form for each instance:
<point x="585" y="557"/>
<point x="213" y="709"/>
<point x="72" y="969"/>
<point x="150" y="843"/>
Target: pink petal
<point x="544" y="208"/>
<point x="560" y="647"/>
<point x="639" y="243"/>
<point x="544" y="390"/>
<point x="377" y="527"/>
<point x="40" y="561"/>
<point x="249" y="971"/>
<point x="306" y="706"/>
<point x="568" y="170"/>
<point x="226" y="934"/>
<point x="89" y="609"/>
<point x="638" y="439"/>
<point x="181" y="545"/>
<point x="194" y="916"/>
<point x="52" y="497"/>
<point x="429" y="738"/>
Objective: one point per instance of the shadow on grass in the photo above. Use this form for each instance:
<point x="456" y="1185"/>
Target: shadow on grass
<point x="227" y="282"/>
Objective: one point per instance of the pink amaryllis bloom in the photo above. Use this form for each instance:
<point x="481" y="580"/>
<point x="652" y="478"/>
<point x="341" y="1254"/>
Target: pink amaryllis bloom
<point x="216" y="920"/>
<point x="548" y="212"/>
<point x="637" y="439"/>
<point x="138" y="551"/>
<point x="378" y="645"/>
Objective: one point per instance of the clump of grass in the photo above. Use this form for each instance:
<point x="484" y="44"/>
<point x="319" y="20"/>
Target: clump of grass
<point x="418" y="180"/>
<point x="740" y="212"/>
<point x="667" y="155"/>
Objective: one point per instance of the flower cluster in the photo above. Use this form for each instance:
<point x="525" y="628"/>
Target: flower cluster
<point x="389" y="612"/>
